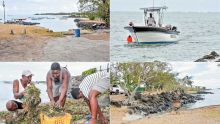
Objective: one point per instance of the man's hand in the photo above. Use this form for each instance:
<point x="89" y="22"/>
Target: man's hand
<point x="24" y="93"/>
<point x="58" y="103"/>
<point x="92" y="121"/>
<point x="52" y="102"/>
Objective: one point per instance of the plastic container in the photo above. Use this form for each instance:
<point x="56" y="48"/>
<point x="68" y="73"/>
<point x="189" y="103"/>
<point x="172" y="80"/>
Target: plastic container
<point x="77" y="32"/>
<point x="65" y="119"/>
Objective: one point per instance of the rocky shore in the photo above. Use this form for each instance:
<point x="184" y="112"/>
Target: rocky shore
<point x="150" y="104"/>
<point x="85" y="23"/>
<point x="212" y="57"/>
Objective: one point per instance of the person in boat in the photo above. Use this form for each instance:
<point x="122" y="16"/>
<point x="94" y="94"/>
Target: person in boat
<point x="131" y="24"/>
<point x="151" y="21"/>
<point x="58" y="79"/>
<point x="19" y="93"/>
<point x="90" y="88"/>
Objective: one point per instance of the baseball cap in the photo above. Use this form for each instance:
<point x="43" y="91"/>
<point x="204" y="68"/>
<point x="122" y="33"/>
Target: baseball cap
<point x="27" y="73"/>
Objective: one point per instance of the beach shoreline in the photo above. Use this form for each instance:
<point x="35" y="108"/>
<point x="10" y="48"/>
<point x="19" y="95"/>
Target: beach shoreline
<point x="42" y="44"/>
<point x="203" y="115"/>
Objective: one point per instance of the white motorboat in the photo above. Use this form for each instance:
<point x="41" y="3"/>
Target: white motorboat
<point x="153" y="33"/>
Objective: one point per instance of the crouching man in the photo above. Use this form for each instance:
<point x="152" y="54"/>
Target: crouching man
<point x="58" y="79"/>
<point x="90" y="88"/>
<point x="19" y="86"/>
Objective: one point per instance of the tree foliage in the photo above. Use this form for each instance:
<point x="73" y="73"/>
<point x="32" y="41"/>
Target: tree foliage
<point x="155" y="75"/>
<point x="90" y="71"/>
<point x="96" y="8"/>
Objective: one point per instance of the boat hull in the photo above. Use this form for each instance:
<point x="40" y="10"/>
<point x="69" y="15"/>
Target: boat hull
<point x="149" y="35"/>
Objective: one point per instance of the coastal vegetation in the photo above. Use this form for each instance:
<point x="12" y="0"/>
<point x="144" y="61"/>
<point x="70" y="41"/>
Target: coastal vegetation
<point x="95" y="9"/>
<point x="155" y="76"/>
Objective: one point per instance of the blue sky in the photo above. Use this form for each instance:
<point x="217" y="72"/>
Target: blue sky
<point x="173" y="5"/>
<point x="204" y="74"/>
<point x="24" y="7"/>
<point x="12" y="70"/>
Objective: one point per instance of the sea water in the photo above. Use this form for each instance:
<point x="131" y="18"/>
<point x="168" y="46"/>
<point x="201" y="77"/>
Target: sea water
<point x="199" y="35"/>
<point x="209" y="99"/>
<point x="56" y="23"/>
<point x="6" y="93"/>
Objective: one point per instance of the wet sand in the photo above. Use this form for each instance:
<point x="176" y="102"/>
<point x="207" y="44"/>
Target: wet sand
<point x="38" y="44"/>
<point x="205" y="115"/>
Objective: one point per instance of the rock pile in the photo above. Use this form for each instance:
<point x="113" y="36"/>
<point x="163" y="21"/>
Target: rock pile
<point x="213" y="56"/>
<point x="149" y="104"/>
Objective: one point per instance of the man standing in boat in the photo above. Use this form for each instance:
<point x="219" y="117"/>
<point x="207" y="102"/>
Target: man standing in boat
<point x="151" y="21"/>
<point x="58" y="79"/>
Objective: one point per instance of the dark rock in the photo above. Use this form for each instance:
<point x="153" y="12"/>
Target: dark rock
<point x="150" y="104"/>
<point x="137" y="96"/>
<point x="92" y="25"/>
<point x="208" y="57"/>
<point x="213" y="53"/>
<point x="218" y="60"/>
<point x="201" y="60"/>
<point x="204" y="92"/>
<point x="116" y="103"/>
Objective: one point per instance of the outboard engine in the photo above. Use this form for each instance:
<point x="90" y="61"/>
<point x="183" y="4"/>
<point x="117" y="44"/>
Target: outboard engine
<point x="174" y="28"/>
<point x="168" y="27"/>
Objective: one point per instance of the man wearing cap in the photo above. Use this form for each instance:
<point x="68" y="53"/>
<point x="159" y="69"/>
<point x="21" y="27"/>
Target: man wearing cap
<point x="58" y="79"/>
<point x="90" y="88"/>
<point x="19" y="91"/>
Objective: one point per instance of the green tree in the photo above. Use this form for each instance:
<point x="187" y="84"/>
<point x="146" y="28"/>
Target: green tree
<point x="89" y="71"/>
<point x="130" y="75"/>
<point x="96" y="8"/>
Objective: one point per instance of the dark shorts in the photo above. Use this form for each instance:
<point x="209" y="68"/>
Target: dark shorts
<point x="19" y="104"/>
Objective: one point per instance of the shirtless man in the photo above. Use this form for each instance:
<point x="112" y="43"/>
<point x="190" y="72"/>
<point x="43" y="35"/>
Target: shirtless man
<point x="58" y="79"/>
<point x="19" y="91"/>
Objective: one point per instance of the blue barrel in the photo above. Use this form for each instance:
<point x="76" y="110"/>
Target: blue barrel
<point x="77" y="32"/>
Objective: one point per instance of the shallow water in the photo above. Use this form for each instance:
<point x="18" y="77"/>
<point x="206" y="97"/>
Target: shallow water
<point x="199" y="36"/>
<point x="7" y="94"/>
<point x="57" y="24"/>
<point x="209" y="99"/>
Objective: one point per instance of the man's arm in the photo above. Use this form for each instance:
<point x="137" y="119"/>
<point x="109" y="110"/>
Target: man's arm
<point x="16" y="93"/>
<point x="87" y="101"/>
<point x="49" y="87"/>
<point x="64" y="86"/>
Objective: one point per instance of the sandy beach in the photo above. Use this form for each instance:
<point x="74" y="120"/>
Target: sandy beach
<point x="39" y="44"/>
<point x="204" y="115"/>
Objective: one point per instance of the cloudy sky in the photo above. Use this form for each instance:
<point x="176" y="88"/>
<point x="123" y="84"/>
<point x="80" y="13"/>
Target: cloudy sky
<point x="173" y="5"/>
<point x="204" y="74"/>
<point x="24" y="7"/>
<point x="10" y="71"/>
